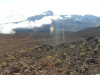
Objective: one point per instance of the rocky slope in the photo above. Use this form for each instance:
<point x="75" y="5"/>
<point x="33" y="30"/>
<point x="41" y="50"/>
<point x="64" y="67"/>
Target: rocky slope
<point x="74" y="58"/>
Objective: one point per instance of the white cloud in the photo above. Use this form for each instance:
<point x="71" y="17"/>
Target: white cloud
<point x="17" y="10"/>
<point x="32" y="7"/>
<point x="44" y="20"/>
<point x="8" y="28"/>
<point x="27" y="8"/>
<point x="68" y="16"/>
<point x="7" y="17"/>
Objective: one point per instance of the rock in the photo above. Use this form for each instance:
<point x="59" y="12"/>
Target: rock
<point x="16" y="69"/>
<point x="97" y="74"/>
<point x="67" y="72"/>
<point x="44" y="45"/>
<point x="31" y="68"/>
<point x="90" y="38"/>
<point x="26" y="71"/>
<point x="56" y="47"/>
<point x="90" y="60"/>
<point x="59" y="70"/>
<point x="95" y="52"/>
<point x="17" y="73"/>
<point x="6" y="71"/>
<point x="39" y="68"/>
<point x="96" y="40"/>
<point x="74" y="73"/>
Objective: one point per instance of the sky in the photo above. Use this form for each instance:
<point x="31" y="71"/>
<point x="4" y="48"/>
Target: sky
<point x="21" y="9"/>
<point x="17" y="10"/>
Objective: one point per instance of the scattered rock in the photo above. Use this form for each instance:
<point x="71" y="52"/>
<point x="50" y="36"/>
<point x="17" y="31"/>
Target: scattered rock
<point x="90" y="60"/>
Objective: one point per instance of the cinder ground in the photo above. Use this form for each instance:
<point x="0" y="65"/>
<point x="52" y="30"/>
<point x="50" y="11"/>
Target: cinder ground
<point x="45" y="54"/>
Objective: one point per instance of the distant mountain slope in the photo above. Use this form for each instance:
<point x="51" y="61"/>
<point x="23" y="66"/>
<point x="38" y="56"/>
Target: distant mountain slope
<point x="85" y="33"/>
<point x="38" y="17"/>
<point x="69" y="22"/>
<point x="91" y="17"/>
<point x="98" y="20"/>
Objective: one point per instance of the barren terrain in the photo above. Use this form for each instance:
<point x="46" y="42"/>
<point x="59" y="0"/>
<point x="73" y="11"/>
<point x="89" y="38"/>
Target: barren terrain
<point x="45" y="54"/>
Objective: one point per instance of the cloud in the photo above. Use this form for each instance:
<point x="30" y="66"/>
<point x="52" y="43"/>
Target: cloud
<point x="9" y="28"/>
<point x="68" y="7"/>
<point x="7" y="17"/>
<point x="18" y="10"/>
<point x="45" y="20"/>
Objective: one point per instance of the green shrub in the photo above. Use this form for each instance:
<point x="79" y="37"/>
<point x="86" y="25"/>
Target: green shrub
<point x="39" y="49"/>
<point x="50" y="57"/>
<point x="72" y="46"/>
<point x="58" y="60"/>
<point x="99" y="40"/>
<point x="33" y="58"/>
<point x="10" y="45"/>
<point x="82" y="54"/>
<point x="4" y="64"/>
<point x="65" y="53"/>
<point x="10" y="58"/>
<point x="30" y="49"/>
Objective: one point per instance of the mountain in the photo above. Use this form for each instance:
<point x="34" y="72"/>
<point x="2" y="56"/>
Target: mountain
<point x="98" y="19"/>
<point x="38" y="17"/>
<point x="23" y="30"/>
<point x="71" y="23"/>
<point x="87" y="32"/>
<point x="91" y="17"/>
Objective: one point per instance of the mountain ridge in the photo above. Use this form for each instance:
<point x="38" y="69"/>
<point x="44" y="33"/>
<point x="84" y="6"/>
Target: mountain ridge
<point x="71" y="23"/>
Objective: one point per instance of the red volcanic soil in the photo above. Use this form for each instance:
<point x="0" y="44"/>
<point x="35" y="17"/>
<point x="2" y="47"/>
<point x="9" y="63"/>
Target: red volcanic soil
<point x="45" y="54"/>
<point x="14" y="36"/>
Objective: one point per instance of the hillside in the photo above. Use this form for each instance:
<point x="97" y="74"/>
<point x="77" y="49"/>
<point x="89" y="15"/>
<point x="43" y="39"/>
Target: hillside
<point x="33" y="57"/>
<point x="85" y="33"/>
<point x="45" y="54"/>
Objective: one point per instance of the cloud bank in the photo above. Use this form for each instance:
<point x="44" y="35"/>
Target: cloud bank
<point x="9" y="27"/>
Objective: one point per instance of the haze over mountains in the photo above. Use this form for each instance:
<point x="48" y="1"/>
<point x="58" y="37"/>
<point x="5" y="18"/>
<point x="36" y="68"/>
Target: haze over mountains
<point x="42" y="22"/>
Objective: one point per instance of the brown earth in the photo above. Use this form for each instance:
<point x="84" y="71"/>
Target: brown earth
<point x="45" y="54"/>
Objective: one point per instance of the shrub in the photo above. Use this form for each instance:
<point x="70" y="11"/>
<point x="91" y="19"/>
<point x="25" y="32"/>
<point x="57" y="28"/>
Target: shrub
<point x="65" y="53"/>
<point x="83" y="46"/>
<point x="30" y="49"/>
<point x="4" y="64"/>
<point x="99" y="40"/>
<point x="58" y="60"/>
<point x="10" y="58"/>
<point x="39" y="49"/>
<point x="50" y="57"/>
<point x="72" y="46"/>
<point x="33" y="58"/>
<point x="10" y="45"/>
<point x="82" y="54"/>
